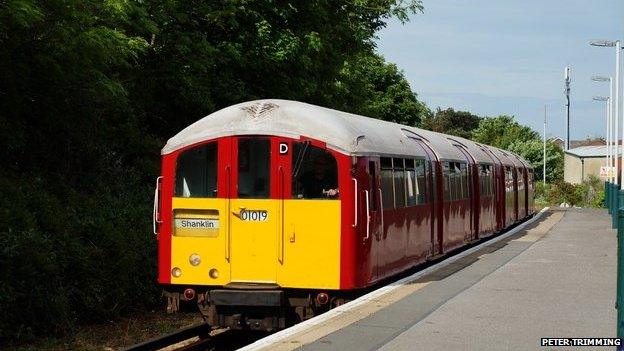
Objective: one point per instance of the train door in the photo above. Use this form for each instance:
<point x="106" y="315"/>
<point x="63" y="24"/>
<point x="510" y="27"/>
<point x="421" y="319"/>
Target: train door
<point x="255" y="218"/>
<point x="473" y="197"/>
<point x="375" y="213"/>
<point x="433" y="198"/>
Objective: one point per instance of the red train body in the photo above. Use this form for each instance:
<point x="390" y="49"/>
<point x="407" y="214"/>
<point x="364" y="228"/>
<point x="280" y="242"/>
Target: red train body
<point x="406" y="196"/>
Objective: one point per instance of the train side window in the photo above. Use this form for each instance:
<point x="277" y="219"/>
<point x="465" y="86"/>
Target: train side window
<point x="508" y="179"/>
<point x="446" y="174"/>
<point x="520" y="179"/>
<point x="254" y="160"/>
<point x="196" y="172"/>
<point x="421" y="182"/>
<point x="464" y="181"/>
<point x="411" y="185"/>
<point x="399" y="182"/>
<point x="372" y="174"/>
<point x="486" y="180"/>
<point x="387" y="183"/>
<point x="315" y="172"/>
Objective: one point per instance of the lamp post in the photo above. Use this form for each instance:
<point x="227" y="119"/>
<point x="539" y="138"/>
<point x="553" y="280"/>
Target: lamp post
<point x="544" y="165"/>
<point x="609" y="128"/>
<point x="605" y="99"/>
<point x="567" y="94"/>
<point x="618" y="46"/>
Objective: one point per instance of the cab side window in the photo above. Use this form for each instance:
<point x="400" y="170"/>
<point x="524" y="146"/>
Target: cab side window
<point x="315" y="173"/>
<point x="196" y="172"/>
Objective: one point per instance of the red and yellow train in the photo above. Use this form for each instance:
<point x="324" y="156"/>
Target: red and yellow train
<point x="272" y="210"/>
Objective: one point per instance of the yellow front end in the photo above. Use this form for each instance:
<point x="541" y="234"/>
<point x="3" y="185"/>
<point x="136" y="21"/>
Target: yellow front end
<point x="293" y="243"/>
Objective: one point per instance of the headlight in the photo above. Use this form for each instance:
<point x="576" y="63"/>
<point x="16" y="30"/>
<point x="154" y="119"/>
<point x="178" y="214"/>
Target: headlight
<point x="194" y="259"/>
<point x="176" y="272"/>
<point x="214" y="273"/>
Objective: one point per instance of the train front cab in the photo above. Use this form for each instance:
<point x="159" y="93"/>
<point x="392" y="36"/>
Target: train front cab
<point x="237" y="227"/>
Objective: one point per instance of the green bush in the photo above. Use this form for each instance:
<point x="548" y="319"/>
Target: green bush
<point x="590" y="193"/>
<point x="71" y="258"/>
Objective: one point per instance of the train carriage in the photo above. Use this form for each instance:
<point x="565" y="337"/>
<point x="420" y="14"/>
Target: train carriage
<point x="273" y="210"/>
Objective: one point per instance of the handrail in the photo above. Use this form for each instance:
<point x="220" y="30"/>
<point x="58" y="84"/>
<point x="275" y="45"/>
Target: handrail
<point x="155" y="220"/>
<point x="281" y="257"/>
<point x="367" y="216"/>
<point x="355" y="202"/>
<point x="381" y="210"/>
<point x="229" y="220"/>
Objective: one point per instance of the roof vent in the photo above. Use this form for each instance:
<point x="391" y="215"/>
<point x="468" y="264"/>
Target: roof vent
<point x="259" y="109"/>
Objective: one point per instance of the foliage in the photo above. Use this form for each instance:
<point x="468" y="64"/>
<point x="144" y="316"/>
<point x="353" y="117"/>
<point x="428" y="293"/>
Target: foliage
<point x="371" y="87"/>
<point x="502" y="131"/>
<point x="89" y="91"/>
<point x="207" y="55"/>
<point x="590" y="193"/>
<point x="533" y="151"/>
<point x="564" y="192"/>
<point x="449" y="121"/>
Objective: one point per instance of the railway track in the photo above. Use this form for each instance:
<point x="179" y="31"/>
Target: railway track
<point x="200" y="337"/>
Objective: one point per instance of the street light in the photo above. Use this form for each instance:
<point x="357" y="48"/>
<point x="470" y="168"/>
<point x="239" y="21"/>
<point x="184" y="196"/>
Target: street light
<point x="618" y="47"/>
<point x="609" y="125"/>
<point x="605" y="99"/>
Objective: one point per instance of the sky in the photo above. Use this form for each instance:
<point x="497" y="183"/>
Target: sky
<point x="508" y="57"/>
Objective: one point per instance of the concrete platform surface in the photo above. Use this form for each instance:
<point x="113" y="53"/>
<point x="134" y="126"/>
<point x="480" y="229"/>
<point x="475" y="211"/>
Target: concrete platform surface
<point x="556" y="278"/>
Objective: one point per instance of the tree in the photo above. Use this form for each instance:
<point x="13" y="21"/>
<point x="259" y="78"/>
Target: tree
<point x="89" y="92"/>
<point x="502" y="131"/>
<point x="449" y="121"/>
<point x="533" y="151"/>
<point x="205" y="55"/>
<point x="369" y="86"/>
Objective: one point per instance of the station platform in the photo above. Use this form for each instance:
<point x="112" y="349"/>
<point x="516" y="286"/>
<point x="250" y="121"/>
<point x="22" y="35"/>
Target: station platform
<point x="554" y="277"/>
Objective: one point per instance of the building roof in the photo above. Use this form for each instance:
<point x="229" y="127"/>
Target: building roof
<point x="591" y="151"/>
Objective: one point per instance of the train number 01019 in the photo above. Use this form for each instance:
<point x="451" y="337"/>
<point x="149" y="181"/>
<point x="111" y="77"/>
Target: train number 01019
<point x="254" y="215"/>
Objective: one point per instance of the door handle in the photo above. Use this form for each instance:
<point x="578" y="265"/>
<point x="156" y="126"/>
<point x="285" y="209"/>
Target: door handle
<point x="367" y="216"/>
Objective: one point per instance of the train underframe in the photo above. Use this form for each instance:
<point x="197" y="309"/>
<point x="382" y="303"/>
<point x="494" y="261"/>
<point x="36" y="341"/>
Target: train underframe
<point x="262" y="307"/>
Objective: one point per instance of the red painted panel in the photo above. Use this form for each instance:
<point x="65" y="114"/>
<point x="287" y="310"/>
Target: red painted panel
<point x="348" y="240"/>
<point x="164" y="230"/>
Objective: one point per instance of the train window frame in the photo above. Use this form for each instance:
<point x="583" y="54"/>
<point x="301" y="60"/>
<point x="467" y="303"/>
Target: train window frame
<point x="486" y="179"/>
<point x="256" y="167"/>
<point x="210" y="172"/>
<point x="411" y="184"/>
<point x="400" y="193"/>
<point x="372" y="179"/>
<point x="421" y="168"/>
<point x="304" y="158"/>
<point x="387" y="182"/>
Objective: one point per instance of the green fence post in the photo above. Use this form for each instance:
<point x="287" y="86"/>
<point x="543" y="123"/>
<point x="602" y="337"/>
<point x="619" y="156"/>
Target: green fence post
<point x="620" y="267"/>
<point x="617" y="195"/>
<point x="614" y="189"/>
<point x="613" y="198"/>
<point x="607" y="193"/>
<point x="610" y="205"/>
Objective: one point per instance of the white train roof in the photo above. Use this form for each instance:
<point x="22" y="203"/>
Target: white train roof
<point x="344" y="132"/>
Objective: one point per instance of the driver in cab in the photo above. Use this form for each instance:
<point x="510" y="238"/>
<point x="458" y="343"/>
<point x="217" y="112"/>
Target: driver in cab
<point x="320" y="182"/>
